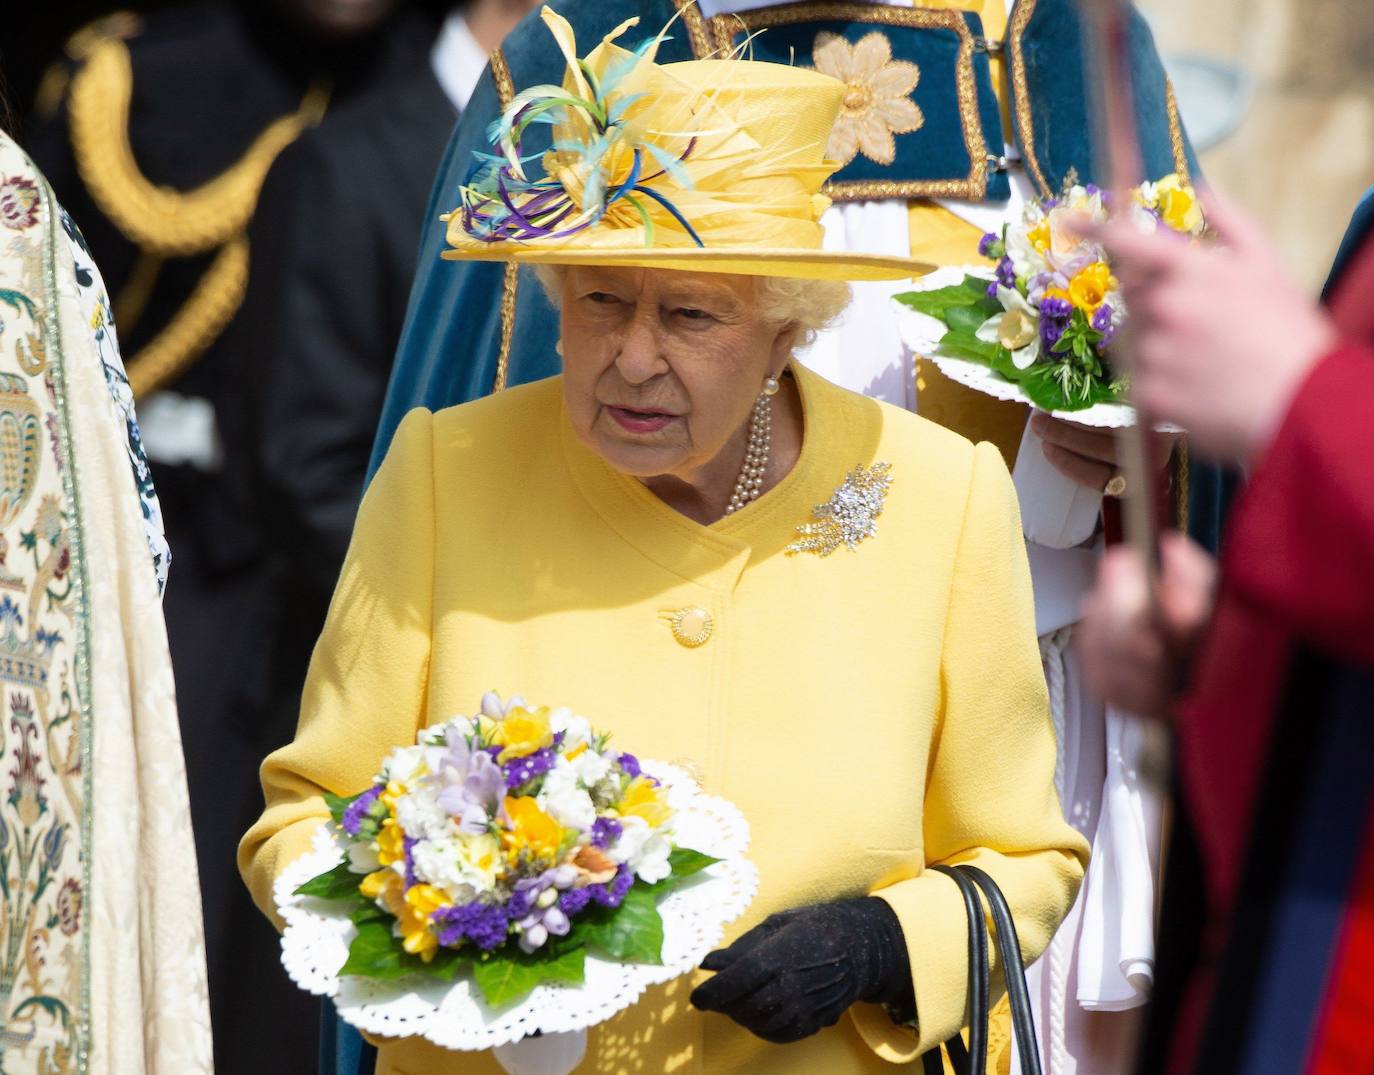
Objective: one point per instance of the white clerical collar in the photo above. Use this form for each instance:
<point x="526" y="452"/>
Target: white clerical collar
<point x="458" y="60"/>
<point x="712" y="8"/>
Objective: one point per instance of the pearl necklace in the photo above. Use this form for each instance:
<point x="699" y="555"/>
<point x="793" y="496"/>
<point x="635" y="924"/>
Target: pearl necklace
<point x="749" y="484"/>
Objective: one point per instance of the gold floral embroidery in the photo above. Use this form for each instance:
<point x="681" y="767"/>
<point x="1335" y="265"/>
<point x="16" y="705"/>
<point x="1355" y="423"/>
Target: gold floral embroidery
<point x="878" y="102"/>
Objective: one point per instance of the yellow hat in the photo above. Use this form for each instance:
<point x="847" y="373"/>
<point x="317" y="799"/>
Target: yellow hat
<point x="706" y="166"/>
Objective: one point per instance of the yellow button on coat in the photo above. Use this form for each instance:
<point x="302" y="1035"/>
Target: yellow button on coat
<point x="692" y="626"/>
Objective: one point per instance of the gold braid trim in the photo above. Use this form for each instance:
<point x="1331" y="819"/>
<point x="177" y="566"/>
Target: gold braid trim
<point x="199" y="322"/>
<point x="157" y="219"/>
<point x="505" y="92"/>
<point x="1020" y="19"/>
<point x="1176" y="141"/>
<point x="696" y="29"/>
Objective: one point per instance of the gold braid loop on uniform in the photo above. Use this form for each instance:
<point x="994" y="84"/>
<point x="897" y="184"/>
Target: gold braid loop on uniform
<point x="157" y="219"/>
<point x="212" y="305"/>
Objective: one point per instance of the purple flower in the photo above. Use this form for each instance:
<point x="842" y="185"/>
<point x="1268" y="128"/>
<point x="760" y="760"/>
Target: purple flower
<point x="629" y="764"/>
<point x="357" y="810"/>
<point x="574" y="901"/>
<point x="523" y="770"/>
<point x="1102" y="322"/>
<point x="986" y="243"/>
<point x="1056" y="309"/>
<point x="993" y="287"/>
<point x="408" y="843"/>
<point x="611" y="895"/>
<point x="474" y="786"/>
<point x="543" y="914"/>
<point x="1092" y="188"/>
<point x="486" y="925"/>
<point x="1006" y="273"/>
<point x="606" y="831"/>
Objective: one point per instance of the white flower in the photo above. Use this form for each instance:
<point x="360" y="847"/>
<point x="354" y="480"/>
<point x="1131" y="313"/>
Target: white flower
<point x="405" y="764"/>
<point x="463" y="866"/>
<point x="575" y="729"/>
<point x="591" y="767"/>
<point x="643" y="849"/>
<point x="420" y="815"/>
<point x="362" y="857"/>
<point x="1018" y="329"/>
<point x="457" y="728"/>
<point x="564" y="798"/>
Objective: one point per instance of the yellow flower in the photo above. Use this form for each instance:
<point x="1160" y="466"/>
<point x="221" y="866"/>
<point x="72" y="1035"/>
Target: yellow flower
<point x="1178" y="205"/>
<point x="531" y="830"/>
<point x="877" y="101"/>
<point x="391" y="842"/>
<point x="522" y="733"/>
<point x="1039" y="235"/>
<point x="419" y="903"/>
<point x="1088" y="290"/>
<point x="643" y="799"/>
<point x="383" y="885"/>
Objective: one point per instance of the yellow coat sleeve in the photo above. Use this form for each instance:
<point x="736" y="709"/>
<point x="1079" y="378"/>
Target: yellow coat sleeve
<point x="990" y="796"/>
<point x="366" y="689"/>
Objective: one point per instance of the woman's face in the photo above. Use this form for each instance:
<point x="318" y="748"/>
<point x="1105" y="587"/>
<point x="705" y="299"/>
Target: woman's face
<point x="662" y="368"/>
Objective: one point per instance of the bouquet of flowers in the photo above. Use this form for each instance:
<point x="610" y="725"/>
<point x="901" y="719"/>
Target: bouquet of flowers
<point x="1039" y="327"/>
<point x="488" y="867"/>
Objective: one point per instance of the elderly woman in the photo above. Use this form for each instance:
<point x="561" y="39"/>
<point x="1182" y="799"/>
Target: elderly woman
<point x="640" y="539"/>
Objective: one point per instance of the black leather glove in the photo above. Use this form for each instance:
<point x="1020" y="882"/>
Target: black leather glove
<point x="800" y="971"/>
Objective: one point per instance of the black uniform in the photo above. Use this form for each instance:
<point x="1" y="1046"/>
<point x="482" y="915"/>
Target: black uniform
<point x="207" y="80"/>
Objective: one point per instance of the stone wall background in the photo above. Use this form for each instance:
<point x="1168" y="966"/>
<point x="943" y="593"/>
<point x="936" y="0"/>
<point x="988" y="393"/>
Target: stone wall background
<point x="1303" y="152"/>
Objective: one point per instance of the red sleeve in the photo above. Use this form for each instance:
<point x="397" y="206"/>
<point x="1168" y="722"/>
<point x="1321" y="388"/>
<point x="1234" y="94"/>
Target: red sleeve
<point x="1301" y="542"/>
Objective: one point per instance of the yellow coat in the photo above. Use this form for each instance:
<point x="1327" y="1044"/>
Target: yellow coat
<point x="871" y="712"/>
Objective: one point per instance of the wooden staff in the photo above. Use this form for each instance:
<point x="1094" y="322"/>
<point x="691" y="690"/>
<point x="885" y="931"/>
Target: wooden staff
<point x="1107" y="44"/>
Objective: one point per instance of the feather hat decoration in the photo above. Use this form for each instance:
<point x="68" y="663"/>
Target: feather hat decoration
<point x="707" y="165"/>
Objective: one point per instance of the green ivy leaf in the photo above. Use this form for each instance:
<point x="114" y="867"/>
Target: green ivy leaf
<point x="939" y="301"/>
<point x="340" y="883"/>
<point x="969" y="318"/>
<point x="685" y="862"/>
<point x="375" y="953"/>
<point x="510" y="976"/>
<point x="632" y="932"/>
<point x="962" y="343"/>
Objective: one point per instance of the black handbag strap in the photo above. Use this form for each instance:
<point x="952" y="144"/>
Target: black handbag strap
<point x="972" y="1060"/>
<point x="1014" y="970"/>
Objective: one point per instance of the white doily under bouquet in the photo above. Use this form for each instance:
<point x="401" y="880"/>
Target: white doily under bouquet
<point x="1036" y="324"/>
<point x="511" y="875"/>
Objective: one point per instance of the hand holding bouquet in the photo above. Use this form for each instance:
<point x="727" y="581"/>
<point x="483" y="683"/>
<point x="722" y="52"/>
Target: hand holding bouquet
<point x="508" y="852"/>
<point x="1044" y="319"/>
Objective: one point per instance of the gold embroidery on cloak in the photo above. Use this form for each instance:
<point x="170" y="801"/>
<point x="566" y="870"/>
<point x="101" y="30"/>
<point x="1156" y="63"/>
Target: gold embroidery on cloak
<point x="505" y="92"/>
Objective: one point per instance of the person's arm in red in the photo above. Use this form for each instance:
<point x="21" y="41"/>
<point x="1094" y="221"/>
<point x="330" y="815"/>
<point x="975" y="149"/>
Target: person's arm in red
<point x="1301" y="543"/>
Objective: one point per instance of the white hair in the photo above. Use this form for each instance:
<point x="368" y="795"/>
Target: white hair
<point x="807" y="305"/>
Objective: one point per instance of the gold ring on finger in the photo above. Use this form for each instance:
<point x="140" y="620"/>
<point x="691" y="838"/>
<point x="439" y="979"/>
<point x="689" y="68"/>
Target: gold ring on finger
<point x="1116" y="486"/>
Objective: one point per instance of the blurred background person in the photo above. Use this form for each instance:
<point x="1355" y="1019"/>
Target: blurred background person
<point x="160" y="138"/>
<point x="334" y="243"/>
<point x="1265" y="662"/>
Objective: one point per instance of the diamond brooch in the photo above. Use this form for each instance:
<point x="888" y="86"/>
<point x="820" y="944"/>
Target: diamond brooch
<point x="849" y="516"/>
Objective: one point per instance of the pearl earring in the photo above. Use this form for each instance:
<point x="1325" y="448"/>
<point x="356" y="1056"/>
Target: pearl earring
<point x="558" y="348"/>
<point x="771" y="386"/>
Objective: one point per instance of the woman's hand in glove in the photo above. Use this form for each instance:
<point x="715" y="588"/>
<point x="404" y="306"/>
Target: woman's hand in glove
<point x="799" y="971"/>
